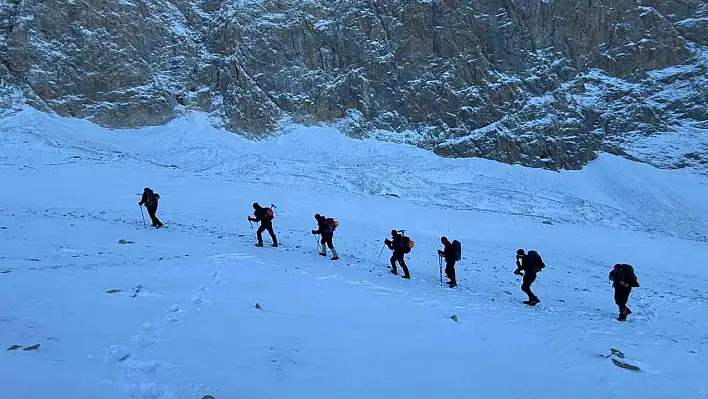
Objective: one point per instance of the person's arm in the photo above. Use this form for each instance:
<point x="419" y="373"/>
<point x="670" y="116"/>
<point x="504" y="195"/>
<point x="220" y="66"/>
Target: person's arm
<point x="519" y="265"/>
<point x="143" y="199"/>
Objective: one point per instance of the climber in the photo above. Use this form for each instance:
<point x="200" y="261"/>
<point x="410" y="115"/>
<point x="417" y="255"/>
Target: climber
<point x="528" y="265"/>
<point x="325" y="228"/>
<point x="623" y="280"/>
<point x="399" y="247"/>
<point x="265" y="217"/>
<point x="150" y="200"/>
<point x="451" y="256"/>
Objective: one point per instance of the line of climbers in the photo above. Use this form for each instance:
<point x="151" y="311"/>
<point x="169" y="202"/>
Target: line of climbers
<point x="528" y="264"/>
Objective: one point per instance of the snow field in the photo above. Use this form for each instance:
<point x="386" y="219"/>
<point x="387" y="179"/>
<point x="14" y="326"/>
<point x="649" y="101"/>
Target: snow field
<point x="345" y="329"/>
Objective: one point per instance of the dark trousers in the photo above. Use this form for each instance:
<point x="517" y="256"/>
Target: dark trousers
<point x="450" y="270"/>
<point x="152" y="210"/>
<point x="621" y="298"/>
<point x="529" y="278"/>
<point x="398" y="257"/>
<point x="266" y="226"/>
<point x="327" y="239"/>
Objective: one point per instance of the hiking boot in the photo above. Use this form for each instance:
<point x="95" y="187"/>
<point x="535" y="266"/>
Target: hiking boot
<point x="274" y="245"/>
<point x="323" y="253"/>
<point x="628" y="312"/>
<point x="407" y="276"/>
<point x="452" y="285"/>
<point x="158" y="226"/>
<point x="394" y="272"/>
<point x="534" y="302"/>
<point x="526" y="302"/>
<point x="622" y="317"/>
<point x="259" y="244"/>
<point x="335" y="257"/>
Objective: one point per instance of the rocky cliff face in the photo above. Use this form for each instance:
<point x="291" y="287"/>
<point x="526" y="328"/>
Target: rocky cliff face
<point x="543" y="83"/>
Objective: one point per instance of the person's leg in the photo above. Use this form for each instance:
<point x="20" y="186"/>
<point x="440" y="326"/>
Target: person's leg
<point x="529" y="278"/>
<point x="450" y="273"/>
<point x="402" y="262"/>
<point x="152" y="211"/>
<point x="269" y="227"/>
<point x="330" y="244"/>
<point x="323" y="247"/>
<point x="621" y="298"/>
<point x="393" y="260"/>
<point x="259" y="234"/>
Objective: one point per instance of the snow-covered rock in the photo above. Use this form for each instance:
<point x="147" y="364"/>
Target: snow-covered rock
<point x="534" y="82"/>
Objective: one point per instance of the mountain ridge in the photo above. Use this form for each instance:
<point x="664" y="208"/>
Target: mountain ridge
<point x="538" y="83"/>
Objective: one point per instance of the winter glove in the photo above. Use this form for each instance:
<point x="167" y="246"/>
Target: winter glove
<point x="517" y="272"/>
<point x="441" y="253"/>
<point x="314" y="231"/>
<point x="250" y="219"/>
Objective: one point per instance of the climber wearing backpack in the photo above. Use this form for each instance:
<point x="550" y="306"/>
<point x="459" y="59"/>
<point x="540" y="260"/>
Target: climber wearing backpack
<point x="150" y="200"/>
<point x="265" y="217"/>
<point x="623" y="280"/>
<point x="528" y="265"/>
<point x="452" y="254"/>
<point x="400" y="246"/>
<point x="325" y="228"/>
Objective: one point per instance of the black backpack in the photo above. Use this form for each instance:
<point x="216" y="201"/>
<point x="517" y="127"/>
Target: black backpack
<point x="269" y="213"/>
<point x="534" y="258"/>
<point x="331" y="225"/>
<point x="624" y="272"/>
<point x="152" y="198"/>
<point x="406" y="244"/>
<point x="457" y="246"/>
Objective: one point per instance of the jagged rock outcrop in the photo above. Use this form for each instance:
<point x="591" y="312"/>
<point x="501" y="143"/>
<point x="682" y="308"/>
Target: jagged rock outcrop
<point x="542" y="83"/>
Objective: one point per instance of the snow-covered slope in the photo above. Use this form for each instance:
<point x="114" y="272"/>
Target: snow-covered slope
<point x="184" y="323"/>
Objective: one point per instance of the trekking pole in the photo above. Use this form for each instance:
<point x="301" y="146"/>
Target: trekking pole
<point x="251" y="223"/>
<point x="440" y="259"/>
<point x="143" y="215"/>
<point x="317" y="243"/>
<point x="379" y="257"/>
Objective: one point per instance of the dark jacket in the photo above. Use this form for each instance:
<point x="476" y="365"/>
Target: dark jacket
<point x="321" y="226"/>
<point x="397" y="244"/>
<point x="147" y="200"/>
<point x="261" y="216"/>
<point x="627" y="276"/>
<point x="530" y="263"/>
<point x="449" y="253"/>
